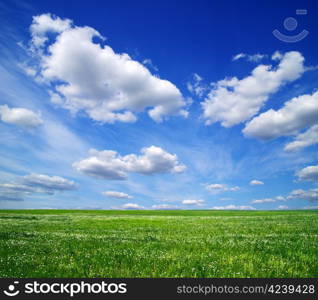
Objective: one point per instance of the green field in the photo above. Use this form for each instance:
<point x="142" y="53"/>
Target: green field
<point x="61" y="243"/>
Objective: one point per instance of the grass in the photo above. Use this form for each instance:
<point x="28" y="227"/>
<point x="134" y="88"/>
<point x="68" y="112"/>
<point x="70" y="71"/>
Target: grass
<point x="65" y="243"/>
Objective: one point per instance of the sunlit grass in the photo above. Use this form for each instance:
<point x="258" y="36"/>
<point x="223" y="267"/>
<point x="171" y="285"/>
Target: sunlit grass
<point x="56" y="243"/>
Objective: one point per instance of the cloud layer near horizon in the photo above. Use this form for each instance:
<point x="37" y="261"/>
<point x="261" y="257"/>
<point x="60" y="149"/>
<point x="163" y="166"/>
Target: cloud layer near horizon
<point x="34" y="184"/>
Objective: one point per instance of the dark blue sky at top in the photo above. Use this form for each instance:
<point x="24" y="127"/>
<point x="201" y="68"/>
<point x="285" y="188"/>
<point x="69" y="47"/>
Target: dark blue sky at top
<point x="197" y="36"/>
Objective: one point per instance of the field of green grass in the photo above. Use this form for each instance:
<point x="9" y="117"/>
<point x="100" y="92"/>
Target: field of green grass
<point x="61" y="243"/>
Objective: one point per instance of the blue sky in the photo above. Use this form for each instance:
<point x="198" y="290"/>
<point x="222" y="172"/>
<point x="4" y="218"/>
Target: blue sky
<point x="136" y="104"/>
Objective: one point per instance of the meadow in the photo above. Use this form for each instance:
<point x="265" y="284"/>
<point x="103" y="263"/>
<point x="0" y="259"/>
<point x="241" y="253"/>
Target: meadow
<point x="77" y="243"/>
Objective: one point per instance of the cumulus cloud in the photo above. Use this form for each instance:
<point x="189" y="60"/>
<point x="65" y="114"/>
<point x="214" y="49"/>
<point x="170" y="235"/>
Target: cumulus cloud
<point x="109" y="164"/>
<point x="35" y="184"/>
<point x="233" y="100"/>
<point x="296" y="114"/>
<point x="131" y="206"/>
<point x="234" y="207"/>
<point x="217" y="188"/>
<point x="44" y="24"/>
<point x="302" y="140"/>
<point x="260" y="201"/>
<point x="309" y="195"/>
<point x="256" y="182"/>
<point x="86" y="75"/>
<point x="193" y="202"/>
<point x="115" y="194"/>
<point x="22" y="117"/>
<point x="309" y="173"/>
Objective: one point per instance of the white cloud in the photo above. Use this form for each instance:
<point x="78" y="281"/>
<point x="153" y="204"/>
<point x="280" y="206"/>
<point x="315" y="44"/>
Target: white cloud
<point x="234" y="188"/>
<point x="269" y="200"/>
<point x="27" y="70"/>
<point x="88" y="76"/>
<point x="193" y="202"/>
<point x="148" y="62"/>
<point x="277" y="55"/>
<point x="238" y="56"/>
<point x="305" y="139"/>
<point x="311" y="207"/>
<point x="309" y="173"/>
<point x="296" y="114"/>
<point x="256" y="182"/>
<point x="234" y="100"/>
<point x="44" y="24"/>
<point x="253" y="57"/>
<point x="131" y="206"/>
<point x="54" y="183"/>
<point x="309" y="195"/>
<point x="35" y="184"/>
<point x="217" y="188"/>
<point x="260" y="201"/>
<point x="109" y="164"/>
<point x="234" y="207"/>
<point x="196" y="86"/>
<point x="20" y="116"/>
<point x="164" y="206"/>
<point x="256" y="57"/>
<point x="18" y="187"/>
<point x="282" y="207"/>
<point x="14" y="191"/>
<point x="115" y="194"/>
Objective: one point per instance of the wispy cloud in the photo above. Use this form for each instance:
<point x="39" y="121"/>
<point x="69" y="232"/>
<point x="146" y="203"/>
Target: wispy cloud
<point x="256" y="182"/>
<point x="116" y="194"/>
<point x="234" y="207"/>
<point x="218" y="188"/>
<point x="250" y="57"/>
